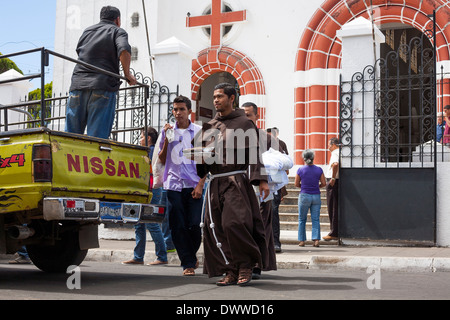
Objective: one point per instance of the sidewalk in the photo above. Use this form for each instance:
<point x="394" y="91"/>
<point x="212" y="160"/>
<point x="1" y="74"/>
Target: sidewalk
<point x="327" y="256"/>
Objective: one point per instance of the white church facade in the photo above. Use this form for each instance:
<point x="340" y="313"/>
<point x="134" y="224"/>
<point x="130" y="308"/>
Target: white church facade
<point x="284" y="56"/>
<point x="289" y="57"/>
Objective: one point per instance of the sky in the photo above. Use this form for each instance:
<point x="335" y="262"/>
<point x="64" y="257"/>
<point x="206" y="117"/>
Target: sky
<point x="25" y="25"/>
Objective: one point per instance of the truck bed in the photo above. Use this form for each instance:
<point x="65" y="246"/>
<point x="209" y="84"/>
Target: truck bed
<point x="81" y="166"/>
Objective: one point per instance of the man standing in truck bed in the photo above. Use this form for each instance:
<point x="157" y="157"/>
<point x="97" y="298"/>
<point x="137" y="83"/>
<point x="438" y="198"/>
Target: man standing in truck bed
<point x="92" y="96"/>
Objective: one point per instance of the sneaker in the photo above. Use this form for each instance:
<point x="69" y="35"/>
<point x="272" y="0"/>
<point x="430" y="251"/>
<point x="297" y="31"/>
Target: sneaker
<point x="278" y="249"/>
<point x="156" y="263"/>
<point x="189" y="272"/>
<point x="20" y="260"/>
<point x="256" y="274"/>
<point x="132" y="261"/>
<point x="171" y="250"/>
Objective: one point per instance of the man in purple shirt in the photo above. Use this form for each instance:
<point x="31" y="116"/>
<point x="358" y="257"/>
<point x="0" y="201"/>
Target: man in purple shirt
<point x="183" y="185"/>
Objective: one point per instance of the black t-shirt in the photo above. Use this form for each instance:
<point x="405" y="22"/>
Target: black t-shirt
<point x="100" y="45"/>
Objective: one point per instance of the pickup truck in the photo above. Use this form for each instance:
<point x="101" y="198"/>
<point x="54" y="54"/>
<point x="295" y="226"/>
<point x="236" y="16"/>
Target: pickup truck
<point x="57" y="187"/>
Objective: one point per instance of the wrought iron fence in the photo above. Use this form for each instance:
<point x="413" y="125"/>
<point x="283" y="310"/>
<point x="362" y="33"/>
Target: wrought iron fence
<point x="388" y="118"/>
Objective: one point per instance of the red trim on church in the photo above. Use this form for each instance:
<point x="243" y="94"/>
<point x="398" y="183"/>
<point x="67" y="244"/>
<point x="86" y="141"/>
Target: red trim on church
<point x="219" y="59"/>
<point x="316" y="107"/>
<point x="215" y="21"/>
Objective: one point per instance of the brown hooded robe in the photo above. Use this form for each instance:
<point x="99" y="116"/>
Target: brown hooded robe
<point x="235" y="210"/>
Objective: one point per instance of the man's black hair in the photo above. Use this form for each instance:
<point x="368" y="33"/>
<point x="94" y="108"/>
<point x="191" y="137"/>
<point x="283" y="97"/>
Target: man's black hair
<point x="183" y="99"/>
<point x="109" y="13"/>
<point x="228" y="89"/>
<point x="335" y="141"/>
<point x="152" y="133"/>
<point x="251" y="105"/>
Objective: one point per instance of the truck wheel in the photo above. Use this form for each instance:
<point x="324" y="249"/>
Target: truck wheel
<point x="58" y="257"/>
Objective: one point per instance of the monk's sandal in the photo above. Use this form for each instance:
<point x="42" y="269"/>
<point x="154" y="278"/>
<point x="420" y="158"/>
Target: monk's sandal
<point x="228" y="280"/>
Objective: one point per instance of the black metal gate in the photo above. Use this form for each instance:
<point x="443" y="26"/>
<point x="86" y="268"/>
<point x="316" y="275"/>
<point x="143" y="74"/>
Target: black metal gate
<point x="388" y="148"/>
<point x="130" y="111"/>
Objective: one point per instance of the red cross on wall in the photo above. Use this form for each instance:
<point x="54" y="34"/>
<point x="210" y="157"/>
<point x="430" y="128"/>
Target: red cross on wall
<point x="215" y="20"/>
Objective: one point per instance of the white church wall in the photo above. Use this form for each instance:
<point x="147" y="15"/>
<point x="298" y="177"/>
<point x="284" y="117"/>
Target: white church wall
<point x="275" y="31"/>
<point x="11" y="93"/>
<point x="74" y="16"/>
<point x="173" y="64"/>
<point x="443" y="204"/>
<point x="270" y="37"/>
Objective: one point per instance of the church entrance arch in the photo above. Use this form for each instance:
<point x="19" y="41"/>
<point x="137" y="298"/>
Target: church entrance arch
<point x="205" y="107"/>
<point x="235" y="66"/>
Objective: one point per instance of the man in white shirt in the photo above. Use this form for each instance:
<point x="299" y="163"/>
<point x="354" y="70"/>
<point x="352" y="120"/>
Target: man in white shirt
<point x="332" y="174"/>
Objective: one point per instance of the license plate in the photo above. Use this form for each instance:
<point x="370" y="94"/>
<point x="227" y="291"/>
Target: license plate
<point x="110" y="211"/>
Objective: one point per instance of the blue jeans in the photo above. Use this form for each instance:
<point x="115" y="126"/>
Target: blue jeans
<point x="160" y="197"/>
<point x="155" y="232"/>
<point x="306" y="202"/>
<point x="23" y="252"/>
<point x="94" y="109"/>
<point x="184" y="221"/>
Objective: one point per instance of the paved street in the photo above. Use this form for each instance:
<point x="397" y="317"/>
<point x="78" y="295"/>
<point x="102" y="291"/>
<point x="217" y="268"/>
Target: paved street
<point x="114" y="281"/>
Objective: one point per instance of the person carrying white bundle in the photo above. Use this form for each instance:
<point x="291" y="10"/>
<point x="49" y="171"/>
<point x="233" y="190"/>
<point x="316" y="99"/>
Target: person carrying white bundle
<point x="276" y="165"/>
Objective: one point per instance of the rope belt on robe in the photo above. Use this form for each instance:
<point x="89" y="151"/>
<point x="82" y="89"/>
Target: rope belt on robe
<point x="209" y="178"/>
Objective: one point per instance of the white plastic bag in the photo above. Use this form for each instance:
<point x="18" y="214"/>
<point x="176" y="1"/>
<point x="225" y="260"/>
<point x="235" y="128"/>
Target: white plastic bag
<point x="276" y="164"/>
<point x="157" y="166"/>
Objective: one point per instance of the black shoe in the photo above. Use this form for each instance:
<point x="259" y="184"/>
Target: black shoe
<point x="278" y="249"/>
<point x="256" y="274"/>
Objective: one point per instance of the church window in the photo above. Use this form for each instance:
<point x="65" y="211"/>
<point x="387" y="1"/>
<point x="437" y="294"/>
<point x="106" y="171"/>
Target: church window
<point x="135" y="20"/>
<point x="134" y="53"/>
<point x="403" y="50"/>
<point x="414" y="58"/>
<point x="390" y="38"/>
<point x="226" y="29"/>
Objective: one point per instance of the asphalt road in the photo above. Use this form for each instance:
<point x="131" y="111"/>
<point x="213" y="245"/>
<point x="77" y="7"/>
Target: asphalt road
<point x="114" y="281"/>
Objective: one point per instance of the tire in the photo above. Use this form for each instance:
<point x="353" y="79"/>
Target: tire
<point x="58" y="257"/>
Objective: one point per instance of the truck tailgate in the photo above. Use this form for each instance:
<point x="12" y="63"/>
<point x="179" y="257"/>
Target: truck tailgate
<point x="81" y="166"/>
<point x="99" y="168"/>
<point x="18" y="191"/>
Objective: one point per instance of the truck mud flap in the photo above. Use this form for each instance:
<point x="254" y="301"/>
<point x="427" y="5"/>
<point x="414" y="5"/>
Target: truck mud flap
<point x="102" y="211"/>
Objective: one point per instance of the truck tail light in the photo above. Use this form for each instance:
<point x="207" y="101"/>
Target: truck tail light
<point x="150" y="186"/>
<point x="42" y="163"/>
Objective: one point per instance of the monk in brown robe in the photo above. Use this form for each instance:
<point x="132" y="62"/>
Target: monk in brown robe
<point x="233" y="232"/>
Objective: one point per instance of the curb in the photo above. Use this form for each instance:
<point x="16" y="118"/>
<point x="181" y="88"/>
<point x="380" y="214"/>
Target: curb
<point x="313" y="262"/>
<point x="403" y="264"/>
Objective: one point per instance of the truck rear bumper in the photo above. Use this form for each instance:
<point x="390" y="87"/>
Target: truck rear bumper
<point x="62" y="208"/>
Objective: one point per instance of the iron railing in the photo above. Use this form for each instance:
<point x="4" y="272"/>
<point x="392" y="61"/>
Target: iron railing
<point x="148" y="103"/>
<point x="388" y="117"/>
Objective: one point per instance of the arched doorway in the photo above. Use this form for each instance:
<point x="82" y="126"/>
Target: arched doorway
<point x="205" y="107"/>
<point x="230" y="62"/>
